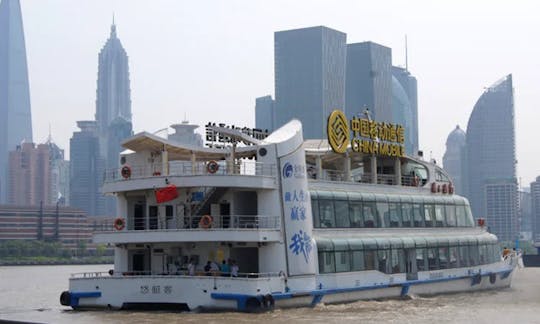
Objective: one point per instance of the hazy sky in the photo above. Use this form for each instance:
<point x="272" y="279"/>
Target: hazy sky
<point x="209" y="60"/>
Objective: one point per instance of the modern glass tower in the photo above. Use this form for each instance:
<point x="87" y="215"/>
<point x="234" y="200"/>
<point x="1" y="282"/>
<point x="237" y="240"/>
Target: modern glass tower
<point x="15" y="114"/>
<point x="535" y="202"/>
<point x="402" y="114"/>
<point x="410" y="86"/>
<point x="309" y="77"/>
<point x="113" y="104"/>
<point x="455" y="159"/>
<point x="369" y="81"/>
<point x="491" y="156"/>
<point x="264" y="113"/>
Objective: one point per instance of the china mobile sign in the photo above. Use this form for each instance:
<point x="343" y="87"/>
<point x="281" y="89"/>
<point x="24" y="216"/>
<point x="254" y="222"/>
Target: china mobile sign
<point x="301" y="250"/>
<point x="365" y="135"/>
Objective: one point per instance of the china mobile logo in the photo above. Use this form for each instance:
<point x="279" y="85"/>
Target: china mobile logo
<point x="287" y="170"/>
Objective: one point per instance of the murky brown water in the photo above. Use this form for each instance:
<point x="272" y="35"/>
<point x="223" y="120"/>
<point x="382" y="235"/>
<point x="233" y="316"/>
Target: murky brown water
<point x="31" y="294"/>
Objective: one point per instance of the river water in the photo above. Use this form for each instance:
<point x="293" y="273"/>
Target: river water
<point x="31" y="293"/>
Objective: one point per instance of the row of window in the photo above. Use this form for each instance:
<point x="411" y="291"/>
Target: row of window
<point x="394" y="260"/>
<point x="384" y="212"/>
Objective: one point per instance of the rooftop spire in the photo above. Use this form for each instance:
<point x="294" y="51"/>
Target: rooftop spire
<point x="113" y="27"/>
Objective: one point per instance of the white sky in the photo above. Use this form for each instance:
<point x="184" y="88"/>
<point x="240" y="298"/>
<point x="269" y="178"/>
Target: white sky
<point x="211" y="59"/>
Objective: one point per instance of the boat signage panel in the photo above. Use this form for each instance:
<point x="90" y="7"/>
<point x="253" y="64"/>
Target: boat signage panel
<point x="297" y="215"/>
<point x="365" y="135"/>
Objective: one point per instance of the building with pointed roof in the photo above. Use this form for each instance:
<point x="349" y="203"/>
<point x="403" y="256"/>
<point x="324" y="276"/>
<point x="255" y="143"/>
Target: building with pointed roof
<point x="15" y="113"/>
<point x="454" y="159"/>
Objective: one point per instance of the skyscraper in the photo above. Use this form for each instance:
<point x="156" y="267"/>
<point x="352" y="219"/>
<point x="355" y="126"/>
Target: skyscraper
<point x="369" y="81"/>
<point x="86" y="170"/>
<point x="402" y="114"/>
<point x="59" y="175"/>
<point x="410" y="86"/>
<point x="29" y="175"/>
<point x="113" y="104"/>
<point x="15" y="114"/>
<point x="309" y="77"/>
<point x="535" y="202"/>
<point x="264" y="113"/>
<point x="491" y="159"/>
<point x="455" y="159"/>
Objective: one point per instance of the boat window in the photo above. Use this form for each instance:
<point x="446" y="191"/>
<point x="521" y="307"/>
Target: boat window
<point x="450" y="215"/>
<point x="343" y="261"/>
<point x="453" y="254"/>
<point x="342" y="213"/>
<point x="473" y="255"/>
<point x="420" y="259"/>
<point x="153" y="217"/>
<point x="382" y="261"/>
<point x="482" y="253"/>
<point x="418" y="215"/>
<point x="370" y="214"/>
<point x="443" y="258"/>
<point x="469" y="220"/>
<point x="395" y="214"/>
<point x="433" y="259"/>
<point x="369" y="259"/>
<point x="357" y="260"/>
<point x="315" y="211"/>
<point x="326" y="213"/>
<point x="439" y="216"/>
<point x="382" y="211"/>
<point x="326" y="262"/>
<point x="464" y="256"/>
<point x="429" y="215"/>
<point x="397" y="261"/>
<point x="355" y="213"/>
<point x="406" y="214"/>
<point x="461" y="216"/>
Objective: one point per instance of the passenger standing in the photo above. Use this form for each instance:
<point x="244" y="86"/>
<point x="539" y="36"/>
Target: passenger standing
<point x="234" y="269"/>
<point x="225" y="269"/>
<point x="191" y="267"/>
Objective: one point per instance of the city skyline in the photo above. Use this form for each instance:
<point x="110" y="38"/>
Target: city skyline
<point x="194" y="67"/>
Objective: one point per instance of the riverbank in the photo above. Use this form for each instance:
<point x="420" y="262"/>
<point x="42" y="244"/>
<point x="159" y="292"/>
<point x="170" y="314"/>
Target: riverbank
<point x="11" y="261"/>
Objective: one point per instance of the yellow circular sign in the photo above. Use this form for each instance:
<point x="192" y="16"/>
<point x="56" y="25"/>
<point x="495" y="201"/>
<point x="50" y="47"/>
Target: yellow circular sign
<point x="338" y="131"/>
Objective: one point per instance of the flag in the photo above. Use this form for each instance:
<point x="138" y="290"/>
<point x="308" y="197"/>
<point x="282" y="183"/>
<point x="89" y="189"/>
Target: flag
<point x="166" y="194"/>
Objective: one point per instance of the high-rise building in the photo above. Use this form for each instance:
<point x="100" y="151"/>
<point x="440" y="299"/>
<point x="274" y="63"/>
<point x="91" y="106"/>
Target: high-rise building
<point x="402" y="114"/>
<point x="59" y="175"/>
<point x="535" y="202"/>
<point x="491" y="157"/>
<point x="309" y="77"/>
<point x="455" y="159"/>
<point x="15" y="114"/>
<point x="87" y="168"/>
<point x="410" y="86"/>
<point x="525" y="214"/>
<point x="369" y="81"/>
<point x="264" y="113"/>
<point x="29" y="175"/>
<point x="113" y="105"/>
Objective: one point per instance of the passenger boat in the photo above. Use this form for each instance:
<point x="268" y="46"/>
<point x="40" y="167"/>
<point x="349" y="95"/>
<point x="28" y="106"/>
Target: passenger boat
<point x="291" y="223"/>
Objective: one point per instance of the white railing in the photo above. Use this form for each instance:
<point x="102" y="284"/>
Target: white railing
<point x="224" y="222"/>
<point x="183" y="168"/>
<point x="180" y="273"/>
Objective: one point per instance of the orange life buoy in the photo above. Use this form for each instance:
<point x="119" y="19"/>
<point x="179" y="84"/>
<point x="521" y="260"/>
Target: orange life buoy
<point x="212" y="167"/>
<point x="205" y="222"/>
<point x="126" y="172"/>
<point x="119" y="224"/>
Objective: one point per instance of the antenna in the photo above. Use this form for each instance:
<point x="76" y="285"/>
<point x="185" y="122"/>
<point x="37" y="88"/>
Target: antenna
<point x="406" y="55"/>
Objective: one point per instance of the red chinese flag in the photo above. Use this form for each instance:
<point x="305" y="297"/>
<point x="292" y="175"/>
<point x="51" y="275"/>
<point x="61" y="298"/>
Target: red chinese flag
<point x="166" y="194"/>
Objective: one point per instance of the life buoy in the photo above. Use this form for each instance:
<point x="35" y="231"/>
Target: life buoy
<point x="119" y="224"/>
<point x="212" y="167"/>
<point x="205" y="222"/>
<point x="126" y="172"/>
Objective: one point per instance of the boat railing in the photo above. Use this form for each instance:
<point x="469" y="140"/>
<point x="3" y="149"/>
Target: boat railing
<point x="187" y="168"/>
<point x="180" y="273"/>
<point x="388" y="179"/>
<point x="200" y="222"/>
